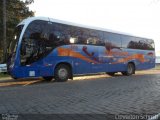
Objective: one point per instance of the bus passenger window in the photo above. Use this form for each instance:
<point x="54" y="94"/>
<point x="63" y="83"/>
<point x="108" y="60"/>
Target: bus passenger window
<point x="112" y="41"/>
<point x="58" y="34"/>
<point x="95" y="38"/>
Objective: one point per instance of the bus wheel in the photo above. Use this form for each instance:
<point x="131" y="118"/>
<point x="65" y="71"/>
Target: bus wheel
<point x="62" y="73"/>
<point x="130" y="70"/>
<point x="111" y="73"/>
<point x="49" y="78"/>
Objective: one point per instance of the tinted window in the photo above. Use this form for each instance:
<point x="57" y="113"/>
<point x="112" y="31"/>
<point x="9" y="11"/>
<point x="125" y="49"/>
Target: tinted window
<point x="147" y="44"/>
<point x="95" y="38"/>
<point x="141" y="43"/>
<point x="126" y="40"/>
<point x="113" y="40"/>
<point x="86" y="36"/>
<point x="133" y="44"/>
<point x="150" y="44"/>
<point x="34" y="43"/>
<point x="13" y="44"/>
<point x="78" y="35"/>
<point x="58" y="34"/>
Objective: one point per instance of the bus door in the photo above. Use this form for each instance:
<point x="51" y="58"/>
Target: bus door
<point x="114" y="52"/>
<point x="33" y="48"/>
<point x="28" y="57"/>
<point x="115" y="63"/>
<point x="99" y="57"/>
<point x="97" y="50"/>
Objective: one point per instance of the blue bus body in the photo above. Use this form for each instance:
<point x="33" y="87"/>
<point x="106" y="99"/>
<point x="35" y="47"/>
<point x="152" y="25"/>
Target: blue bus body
<point x="82" y="58"/>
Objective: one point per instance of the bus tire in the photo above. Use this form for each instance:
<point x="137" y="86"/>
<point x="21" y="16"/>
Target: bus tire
<point x="130" y="69"/>
<point x="110" y="73"/>
<point x="62" y="73"/>
<point x="14" y="78"/>
<point x="49" y="78"/>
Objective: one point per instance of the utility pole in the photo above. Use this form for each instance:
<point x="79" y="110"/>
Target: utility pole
<point x="4" y="32"/>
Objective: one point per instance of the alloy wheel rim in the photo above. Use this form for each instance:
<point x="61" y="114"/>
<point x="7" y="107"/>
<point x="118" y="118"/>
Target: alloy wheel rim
<point x="130" y="69"/>
<point x="62" y="73"/>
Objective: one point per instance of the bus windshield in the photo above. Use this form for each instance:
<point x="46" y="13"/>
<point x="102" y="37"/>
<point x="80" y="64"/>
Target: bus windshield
<point x="13" y="44"/>
<point x="35" y="42"/>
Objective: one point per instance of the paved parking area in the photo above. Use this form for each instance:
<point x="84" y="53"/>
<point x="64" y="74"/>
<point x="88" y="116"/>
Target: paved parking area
<point x="137" y="94"/>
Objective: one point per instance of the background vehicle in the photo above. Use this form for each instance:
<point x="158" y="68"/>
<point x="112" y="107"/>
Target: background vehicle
<point x="50" y="48"/>
<point x="3" y="68"/>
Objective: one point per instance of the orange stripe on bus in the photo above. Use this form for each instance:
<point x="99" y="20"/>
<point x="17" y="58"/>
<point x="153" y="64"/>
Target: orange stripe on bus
<point x="69" y="52"/>
<point x="139" y="57"/>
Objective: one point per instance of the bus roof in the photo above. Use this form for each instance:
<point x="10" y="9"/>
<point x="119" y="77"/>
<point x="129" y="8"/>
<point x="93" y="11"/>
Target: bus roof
<point x="30" y="19"/>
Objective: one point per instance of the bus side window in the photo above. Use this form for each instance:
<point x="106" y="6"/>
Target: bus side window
<point x="112" y="41"/>
<point x="58" y="34"/>
<point x="115" y="40"/>
<point x="95" y="38"/>
<point x="77" y="35"/>
<point x="126" y="40"/>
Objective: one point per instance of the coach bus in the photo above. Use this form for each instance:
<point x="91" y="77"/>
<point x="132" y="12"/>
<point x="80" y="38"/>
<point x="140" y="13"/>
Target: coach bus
<point x="50" y="48"/>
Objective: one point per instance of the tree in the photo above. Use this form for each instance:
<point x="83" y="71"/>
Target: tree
<point x="29" y="1"/>
<point x="16" y="10"/>
<point x="4" y="31"/>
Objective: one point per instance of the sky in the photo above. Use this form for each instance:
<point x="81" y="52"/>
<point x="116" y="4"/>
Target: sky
<point x="137" y="17"/>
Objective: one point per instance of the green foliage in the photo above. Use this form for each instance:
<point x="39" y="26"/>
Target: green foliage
<point x="157" y="67"/>
<point x="16" y="11"/>
<point x="2" y="75"/>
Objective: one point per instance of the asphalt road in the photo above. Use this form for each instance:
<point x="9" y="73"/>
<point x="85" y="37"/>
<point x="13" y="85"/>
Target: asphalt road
<point x="92" y="97"/>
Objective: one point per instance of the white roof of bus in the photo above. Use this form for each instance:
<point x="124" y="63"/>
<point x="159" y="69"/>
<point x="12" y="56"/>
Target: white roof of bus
<point x="30" y="19"/>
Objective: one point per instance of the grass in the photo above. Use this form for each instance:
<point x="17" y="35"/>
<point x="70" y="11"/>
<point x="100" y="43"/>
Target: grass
<point x="157" y="67"/>
<point x="4" y="75"/>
